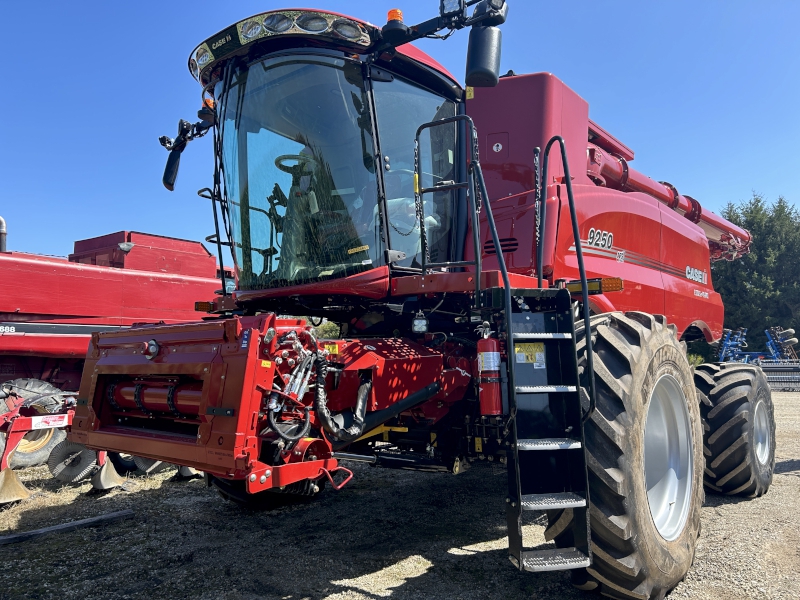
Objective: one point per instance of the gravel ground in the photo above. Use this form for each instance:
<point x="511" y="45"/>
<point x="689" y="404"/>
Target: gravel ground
<point x="388" y="534"/>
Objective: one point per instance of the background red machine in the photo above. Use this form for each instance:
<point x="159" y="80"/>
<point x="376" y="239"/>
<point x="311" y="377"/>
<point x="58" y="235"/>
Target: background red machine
<point x="497" y="301"/>
<point x="106" y="284"/>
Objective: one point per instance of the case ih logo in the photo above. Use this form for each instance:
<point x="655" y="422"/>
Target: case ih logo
<point x="696" y="275"/>
<point x="221" y="42"/>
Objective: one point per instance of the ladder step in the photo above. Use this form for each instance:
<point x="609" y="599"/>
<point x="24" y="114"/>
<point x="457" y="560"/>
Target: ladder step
<point x="542" y="336"/>
<point x="554" y="560"/>
<point x="544" y="389"/>
<point x="552" y="501"/>
<point x="549" y="444"/>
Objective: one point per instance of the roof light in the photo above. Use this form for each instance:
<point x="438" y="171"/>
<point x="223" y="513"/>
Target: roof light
<point x="395" y="14"/>
<point x="263" y="26"/>
<point x="203" y="57"/>
<point x="449" y="8"/>
<point x="251" y="29"/>
<point x="347" y="29"/>
<point x="277" y="23"/>
<point x="312" y="23"/>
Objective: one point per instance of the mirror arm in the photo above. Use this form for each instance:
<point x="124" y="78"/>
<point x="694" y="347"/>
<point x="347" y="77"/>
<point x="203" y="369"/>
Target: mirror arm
<point x="186" y="133"/>
<point x="437" y="24"/>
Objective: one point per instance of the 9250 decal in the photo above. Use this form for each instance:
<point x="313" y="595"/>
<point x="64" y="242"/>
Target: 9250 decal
<point x="600" y="238"/>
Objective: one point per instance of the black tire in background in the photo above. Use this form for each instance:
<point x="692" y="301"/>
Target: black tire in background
<point x="636" y="355"/>
<point x="739" y="428"/>
<point x="235" y="491"/>
<point x="124" y="464"/>
<point x="35" y="448"/>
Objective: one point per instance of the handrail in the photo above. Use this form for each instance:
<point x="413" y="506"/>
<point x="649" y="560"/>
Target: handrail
<point x="419" y="191"/>
<point x="578" y="251"/>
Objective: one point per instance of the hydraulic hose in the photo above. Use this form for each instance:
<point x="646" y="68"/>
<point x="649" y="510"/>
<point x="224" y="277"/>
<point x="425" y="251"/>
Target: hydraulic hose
<point x="324" y="415"/>
<point x="285" y="436"/>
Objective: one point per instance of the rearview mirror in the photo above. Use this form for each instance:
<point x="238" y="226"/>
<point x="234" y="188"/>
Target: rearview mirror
<point x="483" y="56"/>
<point x="175" y="148"/>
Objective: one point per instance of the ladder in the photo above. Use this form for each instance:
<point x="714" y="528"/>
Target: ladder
<point x="546" y="462"/>
<point x="545" y="442"/>
<point x="547" y="466"/>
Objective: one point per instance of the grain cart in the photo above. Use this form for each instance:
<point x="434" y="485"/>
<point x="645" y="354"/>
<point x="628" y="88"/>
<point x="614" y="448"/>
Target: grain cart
<point x="108" y="283"/>
<point x="508" y="287"/>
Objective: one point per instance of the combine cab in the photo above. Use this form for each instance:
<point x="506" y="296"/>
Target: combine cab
<point x="508" y="288"/>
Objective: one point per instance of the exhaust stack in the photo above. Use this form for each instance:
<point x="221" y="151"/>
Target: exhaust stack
<point x="3" y="233"/>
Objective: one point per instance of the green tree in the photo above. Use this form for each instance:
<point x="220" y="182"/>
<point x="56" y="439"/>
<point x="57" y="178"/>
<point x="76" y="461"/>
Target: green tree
<point x="762" y="289"/>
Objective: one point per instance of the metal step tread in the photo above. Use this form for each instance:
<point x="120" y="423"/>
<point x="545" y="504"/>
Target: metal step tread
<point x="544" y="389"/>
<point x="551" y="501"/>
<point x="548" y="444"/>
<point x="542" y="336"/>
<point x="554" y="560"/>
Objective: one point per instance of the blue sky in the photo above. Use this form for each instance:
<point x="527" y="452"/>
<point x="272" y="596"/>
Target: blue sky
<point x="705" y="92"/>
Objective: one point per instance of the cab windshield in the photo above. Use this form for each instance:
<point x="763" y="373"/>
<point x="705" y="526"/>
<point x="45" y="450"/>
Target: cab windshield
<point x="299" y="170"/>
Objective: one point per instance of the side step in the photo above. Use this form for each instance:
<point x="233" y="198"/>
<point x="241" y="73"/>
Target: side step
<point x="549" y="444"/>
<point x="552" y="501"/>
<point x="554" y="560"/>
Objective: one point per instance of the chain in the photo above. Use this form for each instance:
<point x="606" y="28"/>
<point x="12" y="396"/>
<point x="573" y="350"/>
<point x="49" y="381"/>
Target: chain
<point x="418" y="203"/>
<point x="409" y="232"/>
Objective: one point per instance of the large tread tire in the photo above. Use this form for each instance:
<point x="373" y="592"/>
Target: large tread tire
<point x="630" y="557"/>
<point x="36" y="446"/>
<point x="731" y="394"/>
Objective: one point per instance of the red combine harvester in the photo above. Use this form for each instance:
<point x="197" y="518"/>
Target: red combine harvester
<point x="107" y="284"/>
<point x="350" y="188"/>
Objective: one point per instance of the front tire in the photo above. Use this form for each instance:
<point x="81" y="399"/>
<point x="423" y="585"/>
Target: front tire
<point x="739" y="428"/>
<point x="645" y="460"/>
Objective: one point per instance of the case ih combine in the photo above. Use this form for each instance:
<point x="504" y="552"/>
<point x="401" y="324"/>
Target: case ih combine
<point x="107" y="284"/>
<point x="357" y="181"/>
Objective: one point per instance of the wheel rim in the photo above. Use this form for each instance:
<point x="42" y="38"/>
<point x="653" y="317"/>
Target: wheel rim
<point x="34" y="441"/>
<point x="37" y="439"/>
<point x="668" y="457"/>
<point x="761" y="432"/>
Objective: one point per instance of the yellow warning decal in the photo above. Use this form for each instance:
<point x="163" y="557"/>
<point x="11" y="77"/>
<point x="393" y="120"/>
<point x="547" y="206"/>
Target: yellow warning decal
<point x="470" y="92"/>
<point x="359" y="249"/>
<point x="416" y="183"/>
<point x="478" y="444"/>
<point x="332" y="348"/>
<point x="532" y="353"/>
<point x="266" y="364"/>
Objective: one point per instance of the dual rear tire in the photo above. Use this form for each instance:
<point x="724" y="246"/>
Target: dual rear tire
<point x="739" y="428"/>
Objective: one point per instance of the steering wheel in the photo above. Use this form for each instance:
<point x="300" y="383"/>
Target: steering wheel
<point x="302" y="160"/>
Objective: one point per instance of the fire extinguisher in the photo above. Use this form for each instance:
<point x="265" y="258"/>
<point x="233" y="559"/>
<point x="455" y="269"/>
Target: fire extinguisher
<point x="489" y="393"/>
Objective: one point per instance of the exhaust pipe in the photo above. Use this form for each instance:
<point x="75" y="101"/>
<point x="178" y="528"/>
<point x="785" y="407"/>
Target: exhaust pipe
<point x="3" y="233"/>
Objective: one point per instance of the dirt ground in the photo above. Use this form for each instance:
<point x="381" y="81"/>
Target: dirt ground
<point x="388" y="534"/>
